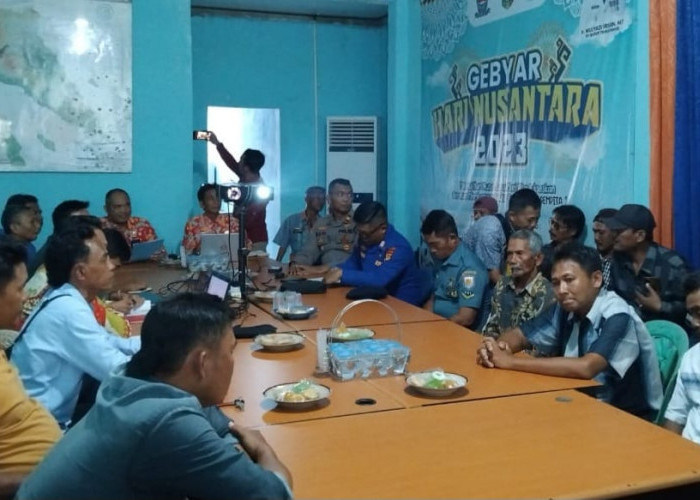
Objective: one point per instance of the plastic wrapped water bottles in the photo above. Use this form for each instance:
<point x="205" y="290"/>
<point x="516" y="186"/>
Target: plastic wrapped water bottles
<point x="368" y="358"/>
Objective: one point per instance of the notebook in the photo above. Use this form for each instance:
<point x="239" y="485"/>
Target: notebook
<point x="145" y="250"/>
<point x="219" y="245"/>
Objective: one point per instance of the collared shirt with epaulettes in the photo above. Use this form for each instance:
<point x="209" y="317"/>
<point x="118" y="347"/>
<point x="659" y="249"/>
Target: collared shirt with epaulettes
<point x="460" y="281"/>
<point x="662" y="263"/>
<point x="331" y="242"/>
<point x="510" y="308"/>
<point x="612" y="329"/>
<point x="294" y="232"/>
<point x="390" y="265"/>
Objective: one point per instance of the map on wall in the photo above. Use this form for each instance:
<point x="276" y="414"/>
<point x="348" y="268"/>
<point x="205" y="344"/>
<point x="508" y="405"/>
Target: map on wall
<point x="65" y="85"/>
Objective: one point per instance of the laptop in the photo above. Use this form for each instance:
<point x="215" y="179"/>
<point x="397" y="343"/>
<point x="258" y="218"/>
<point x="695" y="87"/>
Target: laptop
<point x="219" y="246"/>
<point x="218" y="285"/>
<point x="145" y="250"/>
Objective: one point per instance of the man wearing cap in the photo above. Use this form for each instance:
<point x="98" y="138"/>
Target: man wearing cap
<point x="645" y="273"/>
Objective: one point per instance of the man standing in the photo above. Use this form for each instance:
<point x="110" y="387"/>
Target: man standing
<point x="605" y="242"/>
<point x="209" y="222"/>
<point x="27" y="430"/>
<point x="333" y="236"/>
<point x="483" y="206"/>
<point x="297" y="228"/>
<point x="487" y="237"/>
<point x="588" y="334"/>
<point x="248" y="172"/>
<point x="567" y="224"/>
<point x="61" y="340"/>
<point x="646" y="273"/>
<point x="118" y="209"/>
<point x="383" y="258"/>
<point x="460" y="279"/>
<point x="525" y="293"/>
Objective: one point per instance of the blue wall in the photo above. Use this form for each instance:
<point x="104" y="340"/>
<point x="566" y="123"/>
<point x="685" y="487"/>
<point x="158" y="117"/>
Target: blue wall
<point x="272" y="62"/>
<point x="161" y="178"/>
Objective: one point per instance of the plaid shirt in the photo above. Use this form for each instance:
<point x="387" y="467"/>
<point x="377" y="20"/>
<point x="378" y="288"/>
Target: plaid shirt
<point x="510" y="308"/>
<point x="660" y="262"/>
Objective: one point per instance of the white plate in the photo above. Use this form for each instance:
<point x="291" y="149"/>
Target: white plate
<point x="264" y="296"/>
<point x="279" y="342"/>
<point x="418" y="380"/>
<point x="276" y="393"/>
<point x="352" y="334"/>
<point x="297" y="312"/>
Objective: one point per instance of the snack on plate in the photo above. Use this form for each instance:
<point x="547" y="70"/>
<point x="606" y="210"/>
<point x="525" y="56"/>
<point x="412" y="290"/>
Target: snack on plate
<point x="438" y="380"/>
<point x="300" y="392"/>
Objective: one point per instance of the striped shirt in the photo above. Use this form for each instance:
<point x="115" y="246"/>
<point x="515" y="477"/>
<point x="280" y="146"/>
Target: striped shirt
<point x="684" y="407"/>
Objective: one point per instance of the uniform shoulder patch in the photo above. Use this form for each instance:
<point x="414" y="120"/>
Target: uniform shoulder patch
<point x="468" y="279"/>
<point x="389" y="253"/>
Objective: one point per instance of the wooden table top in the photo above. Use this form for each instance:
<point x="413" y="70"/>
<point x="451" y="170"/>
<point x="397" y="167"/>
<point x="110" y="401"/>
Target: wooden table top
<point x="256" y="370"/>
<point x="548" y="445"/>
<point x="329" y="304"/>
<point x="448" y="346"/>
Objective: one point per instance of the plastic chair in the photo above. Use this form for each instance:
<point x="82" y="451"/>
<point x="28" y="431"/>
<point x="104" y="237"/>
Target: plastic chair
<point x="670" y="343"/>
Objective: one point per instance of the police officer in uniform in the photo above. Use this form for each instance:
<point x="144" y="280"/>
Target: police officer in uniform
<point x="333" y="236"/>
<point x="383" y="258"/>
<point x="460" y="279"/>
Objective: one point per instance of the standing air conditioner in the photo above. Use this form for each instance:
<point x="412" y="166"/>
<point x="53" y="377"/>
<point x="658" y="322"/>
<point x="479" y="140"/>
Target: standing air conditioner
<point x="351" y="153"/>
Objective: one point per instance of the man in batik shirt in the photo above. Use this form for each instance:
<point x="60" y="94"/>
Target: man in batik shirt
<point x="209" y="222"/>
<point x="525" y="293"/>
<point x="118" y="208"/>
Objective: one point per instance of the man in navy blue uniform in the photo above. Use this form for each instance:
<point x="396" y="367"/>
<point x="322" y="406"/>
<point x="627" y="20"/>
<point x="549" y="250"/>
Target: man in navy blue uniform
<point x="382" y="258"/>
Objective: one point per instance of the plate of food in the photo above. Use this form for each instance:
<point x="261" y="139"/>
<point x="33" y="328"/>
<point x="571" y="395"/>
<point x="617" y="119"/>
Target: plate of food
<point x="262" y="296"/>
<point x="280" y="342"/>
<point x="297" y="395"/>
<point x="436" y="382"/>
<point x="344" y="333"/>
<point x="296" y="312"/>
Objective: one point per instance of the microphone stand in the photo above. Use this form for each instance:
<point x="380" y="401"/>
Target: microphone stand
<point x="242" y="254"/>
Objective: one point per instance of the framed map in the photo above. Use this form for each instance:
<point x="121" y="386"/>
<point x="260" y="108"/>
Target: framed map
<point x="65" y="85"/>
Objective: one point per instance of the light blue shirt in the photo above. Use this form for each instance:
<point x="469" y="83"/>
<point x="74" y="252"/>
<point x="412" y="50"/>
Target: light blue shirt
<point x="63" y="343"/>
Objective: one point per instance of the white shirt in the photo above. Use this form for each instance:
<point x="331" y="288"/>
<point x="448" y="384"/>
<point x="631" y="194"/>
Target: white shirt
<point x="684" y="407"/>
<point x="60" y="345"/>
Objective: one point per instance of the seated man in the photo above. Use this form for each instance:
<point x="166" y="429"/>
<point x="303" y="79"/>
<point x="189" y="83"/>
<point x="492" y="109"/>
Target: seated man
<point x="210" y="222"/>
<point x="643" y="272"/>
<point x="460" y="279"/>
<point x="333" y="236"/>
<point x="61" y="340"/>
<point x="148" y="435"/>
<point x="118" y="208"/>
<point x="525" y="293"/>
<point x="487" y="237"/>
<point x="20" y="223"/>
<point x="483" y="206"/>
<point x="588" y="334"/>
<point x="297" y="228"/>
<point x="62" y="211"/>
<point x="383" y="258"/>
<point x="604" y="239"/>
<point x="27" y="430"/>
<point x="567" y="224"/>
<point x="683" y="411"/>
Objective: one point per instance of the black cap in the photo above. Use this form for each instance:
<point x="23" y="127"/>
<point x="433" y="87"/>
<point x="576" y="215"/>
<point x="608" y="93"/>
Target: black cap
<point x="631" y="217"/>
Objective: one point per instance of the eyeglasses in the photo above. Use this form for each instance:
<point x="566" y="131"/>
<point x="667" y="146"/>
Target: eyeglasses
<point x="693" y="316"/>
<point x="366" y="234"/>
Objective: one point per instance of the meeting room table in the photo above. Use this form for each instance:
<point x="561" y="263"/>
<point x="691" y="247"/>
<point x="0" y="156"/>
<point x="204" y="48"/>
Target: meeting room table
<point x="507" y="434"/>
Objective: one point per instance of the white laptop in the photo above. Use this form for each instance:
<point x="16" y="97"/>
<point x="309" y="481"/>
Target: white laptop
<point x="219" y="245"/>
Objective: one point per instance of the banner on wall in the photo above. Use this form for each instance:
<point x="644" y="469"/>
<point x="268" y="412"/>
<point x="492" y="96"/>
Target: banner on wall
<point x="527" y="93"/>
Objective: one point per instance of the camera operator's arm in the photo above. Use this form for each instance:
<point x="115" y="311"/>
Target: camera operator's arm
<point x="228" y="158"/>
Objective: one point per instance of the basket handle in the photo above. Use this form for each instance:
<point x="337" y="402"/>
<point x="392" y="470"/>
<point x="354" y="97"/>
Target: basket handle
<point x="339" y="316"/>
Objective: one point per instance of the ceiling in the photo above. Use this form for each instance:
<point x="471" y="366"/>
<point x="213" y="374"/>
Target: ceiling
<point x="363" y="9"/>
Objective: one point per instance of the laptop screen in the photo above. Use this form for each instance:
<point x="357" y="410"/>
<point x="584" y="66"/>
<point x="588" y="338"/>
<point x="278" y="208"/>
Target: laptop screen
<point x="217" y="286"/>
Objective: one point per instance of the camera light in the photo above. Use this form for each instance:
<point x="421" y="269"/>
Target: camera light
<point x="263" y="192"/>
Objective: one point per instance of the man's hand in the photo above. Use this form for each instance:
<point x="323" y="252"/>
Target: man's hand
<point x="305" y="271"/>
<point x="213" y="139"/>
<point x="251" y="440"/>
<point x="651" y="301"/>
<point x="333" y="276"/>
<point x="493" y="354"/>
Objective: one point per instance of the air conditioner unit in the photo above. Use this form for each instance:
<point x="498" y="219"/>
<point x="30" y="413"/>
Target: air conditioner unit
<point x="351" y="153"/>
